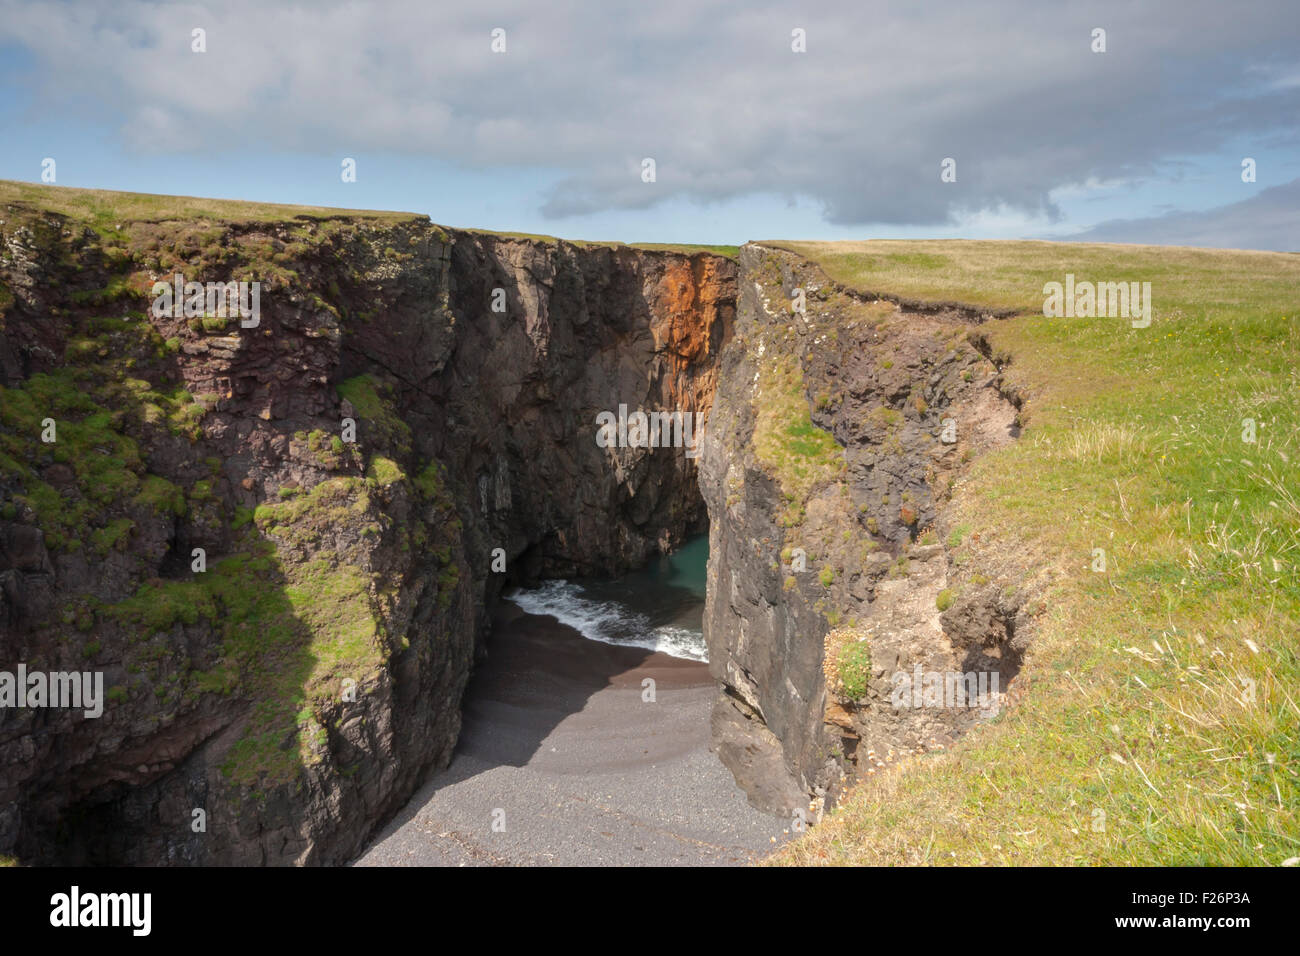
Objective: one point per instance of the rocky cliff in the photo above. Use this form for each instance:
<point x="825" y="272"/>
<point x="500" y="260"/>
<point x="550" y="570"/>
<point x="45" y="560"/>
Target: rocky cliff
<point x="839" y="426"/>
<point x="277" y="542"/>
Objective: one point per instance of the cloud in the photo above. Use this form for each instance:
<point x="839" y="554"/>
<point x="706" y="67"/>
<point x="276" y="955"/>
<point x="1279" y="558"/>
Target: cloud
<point x="1269" y="220"/>
<point x="708" y="88"/>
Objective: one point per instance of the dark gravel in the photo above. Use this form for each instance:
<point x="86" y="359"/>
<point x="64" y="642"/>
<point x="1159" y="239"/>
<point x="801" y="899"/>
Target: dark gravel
<point x="585" y="772"/>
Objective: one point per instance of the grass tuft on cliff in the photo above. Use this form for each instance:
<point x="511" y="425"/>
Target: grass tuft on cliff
<point x="379" y="420"/>
<point x="801" y="455"/>
<point x="1158" y="720"/>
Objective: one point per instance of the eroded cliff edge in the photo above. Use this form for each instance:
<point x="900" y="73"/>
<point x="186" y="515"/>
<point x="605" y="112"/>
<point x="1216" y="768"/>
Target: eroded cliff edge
<point x="297" y="689"/>
<point x="840" y="424"/>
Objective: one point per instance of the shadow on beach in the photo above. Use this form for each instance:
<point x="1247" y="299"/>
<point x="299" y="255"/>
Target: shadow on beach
<point x="537" y="673"/>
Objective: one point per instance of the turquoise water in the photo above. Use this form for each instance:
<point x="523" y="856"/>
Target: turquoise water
<point x="659" y="607"/>
<point x="684" y="568"/>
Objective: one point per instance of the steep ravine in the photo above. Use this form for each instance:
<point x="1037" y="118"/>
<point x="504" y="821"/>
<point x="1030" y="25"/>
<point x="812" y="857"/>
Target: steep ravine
<point x="279" y="705"/>
<point x="296" y="691"/>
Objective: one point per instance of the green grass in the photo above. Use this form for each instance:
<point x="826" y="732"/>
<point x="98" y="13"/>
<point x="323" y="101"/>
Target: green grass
<point x="98" y="425"/>
<point x="104" y="209"/>
<point x="1134" y="741"/>
<point x="1011" y="274"/>
<point x="301" y="518"/>
<point x="379" y="424"/>
<point x="431" y="481"/>
<point x="384" y="471"/>
<point x="333" y="600"/>
<point x="290" y="634"/>
<point x="727" y="252"/>
<point x="113" y="535"/>
<point x="156" y="608"/>
<point x="854" y="667"/>
<point x="167" y="232"/>
<point x="688" y="249"/>
<point x="801" y="455"/>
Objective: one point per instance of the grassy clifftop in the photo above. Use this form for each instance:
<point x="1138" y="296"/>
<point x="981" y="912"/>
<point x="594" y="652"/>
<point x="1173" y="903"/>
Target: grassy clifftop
<point x="1011" y="274"/>
<point x="104" y="209"/>
<point x="1159" y="720"/>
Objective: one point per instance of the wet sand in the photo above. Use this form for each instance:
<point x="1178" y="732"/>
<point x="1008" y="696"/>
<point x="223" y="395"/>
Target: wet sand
<point x="559" y="748"/>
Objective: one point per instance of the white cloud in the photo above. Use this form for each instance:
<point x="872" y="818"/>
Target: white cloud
<point x="708" y="88"/>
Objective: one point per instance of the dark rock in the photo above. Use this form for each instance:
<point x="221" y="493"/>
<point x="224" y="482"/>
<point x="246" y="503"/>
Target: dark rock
<point x="504" y="403"/>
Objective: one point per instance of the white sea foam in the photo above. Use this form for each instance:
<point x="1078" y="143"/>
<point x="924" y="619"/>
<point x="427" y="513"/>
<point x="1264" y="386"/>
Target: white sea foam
<point x="608" y="621"/>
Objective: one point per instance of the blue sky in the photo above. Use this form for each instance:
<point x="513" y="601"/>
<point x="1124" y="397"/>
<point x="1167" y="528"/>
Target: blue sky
<point x="751" y="140"/>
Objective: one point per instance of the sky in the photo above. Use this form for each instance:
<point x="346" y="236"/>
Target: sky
<point x="750" y="137"/>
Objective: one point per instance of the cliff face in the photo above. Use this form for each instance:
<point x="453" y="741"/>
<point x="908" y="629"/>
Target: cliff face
<point x="836" y="434"/>
<point x="278" y="542"/>
<point x="285" y="618"/>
